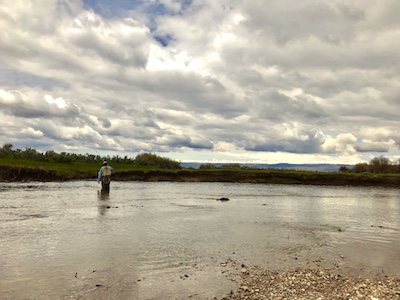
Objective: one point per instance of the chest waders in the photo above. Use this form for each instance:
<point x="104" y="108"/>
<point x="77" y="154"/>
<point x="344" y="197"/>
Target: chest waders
<point x="106" y="178"/>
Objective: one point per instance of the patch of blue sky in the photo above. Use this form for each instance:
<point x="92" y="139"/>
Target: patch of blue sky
<point x="152" y="9"/>
<point x="122" y="8"/>
<point x="113" y="8"/>
<point x="164" y="40"/>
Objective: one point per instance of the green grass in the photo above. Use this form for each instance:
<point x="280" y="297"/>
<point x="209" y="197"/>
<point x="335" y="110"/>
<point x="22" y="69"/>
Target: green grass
<point x="67" y="169"/>
<point x="80" y="169"/>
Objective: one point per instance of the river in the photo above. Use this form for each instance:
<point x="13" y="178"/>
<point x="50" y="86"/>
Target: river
<point x="165" y="240"/>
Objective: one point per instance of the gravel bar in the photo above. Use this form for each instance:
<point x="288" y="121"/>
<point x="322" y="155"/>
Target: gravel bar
<point x="257" y="283"/>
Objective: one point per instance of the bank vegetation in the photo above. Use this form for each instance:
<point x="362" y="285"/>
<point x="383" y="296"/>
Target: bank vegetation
<point x="30" y="164"/>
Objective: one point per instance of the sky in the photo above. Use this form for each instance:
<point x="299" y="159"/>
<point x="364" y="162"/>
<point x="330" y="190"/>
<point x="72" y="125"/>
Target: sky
<point x="203" y="80"/>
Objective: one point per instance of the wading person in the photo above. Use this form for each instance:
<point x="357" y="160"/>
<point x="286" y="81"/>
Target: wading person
<point x="105" y="176"/>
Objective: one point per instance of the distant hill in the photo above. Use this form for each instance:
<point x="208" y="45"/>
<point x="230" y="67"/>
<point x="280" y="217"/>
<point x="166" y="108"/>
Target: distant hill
<point x="303" y="167"/>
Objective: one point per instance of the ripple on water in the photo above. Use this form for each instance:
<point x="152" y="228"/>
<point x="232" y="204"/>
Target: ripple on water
<point x="168" y="230"/>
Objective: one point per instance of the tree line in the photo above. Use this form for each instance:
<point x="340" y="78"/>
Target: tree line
<point x="376" y="165"/>
<point x="379" y="164"/>
<point x="143" y="159"/>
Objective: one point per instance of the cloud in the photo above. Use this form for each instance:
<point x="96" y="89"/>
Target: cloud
<point x="298" y="81"/>
<point x="372" y="148"/>
<point x="18" y="104"/>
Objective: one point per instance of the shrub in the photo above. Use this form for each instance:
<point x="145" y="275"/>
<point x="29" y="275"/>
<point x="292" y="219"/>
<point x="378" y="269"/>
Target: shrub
<point x="232" y="166"/>
<point x="207" y="166"/>
<point x="149" y="159"/>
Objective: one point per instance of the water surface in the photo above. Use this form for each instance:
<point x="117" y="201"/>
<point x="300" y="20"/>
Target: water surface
<point x="174" y="240"/>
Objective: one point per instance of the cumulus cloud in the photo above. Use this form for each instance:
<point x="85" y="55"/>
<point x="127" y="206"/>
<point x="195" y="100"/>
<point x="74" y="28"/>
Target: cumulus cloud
<point x="32" y="105"/>
<point x="297" y="81"/>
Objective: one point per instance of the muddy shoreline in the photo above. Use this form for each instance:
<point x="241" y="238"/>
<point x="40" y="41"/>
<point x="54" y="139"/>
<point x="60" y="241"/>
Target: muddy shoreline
<point x="18" y="174"/>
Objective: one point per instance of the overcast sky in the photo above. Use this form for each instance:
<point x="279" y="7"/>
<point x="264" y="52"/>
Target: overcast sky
<point x="203" y="80"/>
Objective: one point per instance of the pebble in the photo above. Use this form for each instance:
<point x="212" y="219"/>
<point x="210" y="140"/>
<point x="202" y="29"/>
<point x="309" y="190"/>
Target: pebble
<point x="313" y="284"/>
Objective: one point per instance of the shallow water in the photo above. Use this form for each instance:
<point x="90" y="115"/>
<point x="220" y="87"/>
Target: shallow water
<point x="174" y="240"/>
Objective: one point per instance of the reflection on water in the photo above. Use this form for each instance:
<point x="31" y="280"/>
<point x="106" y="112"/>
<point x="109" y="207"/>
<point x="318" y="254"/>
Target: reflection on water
<point x="62" y="240"/>
<point x="103" y="196"/>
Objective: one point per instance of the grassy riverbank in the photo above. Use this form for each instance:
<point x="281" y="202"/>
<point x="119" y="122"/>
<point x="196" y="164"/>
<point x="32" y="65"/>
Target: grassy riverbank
<point x="62" y="170"/>
<point x="12" y="170"/>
